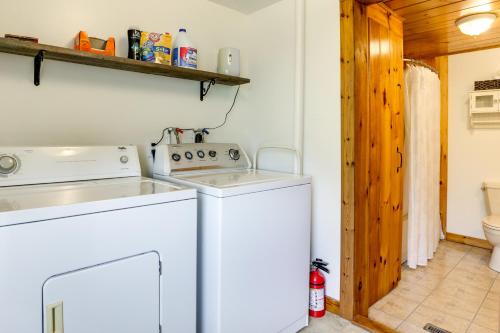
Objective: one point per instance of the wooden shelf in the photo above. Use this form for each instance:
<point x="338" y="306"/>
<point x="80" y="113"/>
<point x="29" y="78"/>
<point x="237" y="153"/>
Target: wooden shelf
<point x="30" y="49"/>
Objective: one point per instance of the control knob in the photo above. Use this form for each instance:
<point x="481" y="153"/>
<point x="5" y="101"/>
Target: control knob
<point x="212" y="153"/>
<point x="189" y="155"/>
<point x="176" y="157"/>
<point x="234" y="154"/>
<point x="201" y="154"/>
<point x="8" y="164"/>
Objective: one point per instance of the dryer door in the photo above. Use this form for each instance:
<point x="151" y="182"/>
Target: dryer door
<point x="120" y="296"/>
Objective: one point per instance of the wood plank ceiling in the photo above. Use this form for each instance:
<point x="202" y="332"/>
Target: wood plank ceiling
<point x="430" y="30"/>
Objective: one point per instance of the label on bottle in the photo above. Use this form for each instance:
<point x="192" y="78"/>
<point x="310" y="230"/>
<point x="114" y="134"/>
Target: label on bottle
<point x="186" y="57"/>
<point x="134" y="40"/>
<point x="316" y="299"/>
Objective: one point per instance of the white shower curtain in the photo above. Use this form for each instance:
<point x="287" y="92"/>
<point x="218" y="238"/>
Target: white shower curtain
<point x="422" y="144"/>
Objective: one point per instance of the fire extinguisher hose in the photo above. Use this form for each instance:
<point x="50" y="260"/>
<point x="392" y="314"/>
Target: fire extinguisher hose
<point x="320" y="264"/>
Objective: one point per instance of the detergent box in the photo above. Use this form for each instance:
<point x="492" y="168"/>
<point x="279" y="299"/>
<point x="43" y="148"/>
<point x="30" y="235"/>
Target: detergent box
<point x="156" y="47"/>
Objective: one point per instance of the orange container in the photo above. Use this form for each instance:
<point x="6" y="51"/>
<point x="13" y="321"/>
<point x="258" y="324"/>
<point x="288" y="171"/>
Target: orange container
<point x="94" y="45"/>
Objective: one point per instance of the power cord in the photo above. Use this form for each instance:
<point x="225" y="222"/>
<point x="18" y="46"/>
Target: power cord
<point x="228" y="112"/>
<point x="169" y="129"/>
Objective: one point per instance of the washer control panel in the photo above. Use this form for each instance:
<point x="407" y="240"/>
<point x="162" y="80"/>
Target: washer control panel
<point x="199" y="156"/>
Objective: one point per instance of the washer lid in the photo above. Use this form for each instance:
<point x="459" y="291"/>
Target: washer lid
<point x="30" y="203"/>
<point x="492" y="222"/>
<point x="238" y="182"/>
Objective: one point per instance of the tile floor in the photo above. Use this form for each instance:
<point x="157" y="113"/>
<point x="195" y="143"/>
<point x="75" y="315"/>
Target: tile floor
<point x="331" y="323"/>
<point x="456" y="291"/>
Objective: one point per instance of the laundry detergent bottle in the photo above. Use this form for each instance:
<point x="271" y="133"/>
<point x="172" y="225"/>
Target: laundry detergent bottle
<point x="185" y="54"/>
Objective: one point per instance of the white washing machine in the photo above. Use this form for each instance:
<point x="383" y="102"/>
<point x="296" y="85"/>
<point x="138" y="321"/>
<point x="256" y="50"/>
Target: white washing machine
<point x="253" y="238"/>
<point x="87" y="245"/>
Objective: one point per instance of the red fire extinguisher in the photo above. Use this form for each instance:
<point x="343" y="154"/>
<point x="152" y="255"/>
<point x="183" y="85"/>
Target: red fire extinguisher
<point x="317" y="288"/>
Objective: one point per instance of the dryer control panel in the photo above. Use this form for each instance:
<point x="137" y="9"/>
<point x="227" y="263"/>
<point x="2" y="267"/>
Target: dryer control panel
<point x="39" y="165"/>
<point x="199" y="156"/>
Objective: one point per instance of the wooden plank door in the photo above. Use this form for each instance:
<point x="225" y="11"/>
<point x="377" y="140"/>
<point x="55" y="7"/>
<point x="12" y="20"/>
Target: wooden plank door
<point x="379" y="156"/>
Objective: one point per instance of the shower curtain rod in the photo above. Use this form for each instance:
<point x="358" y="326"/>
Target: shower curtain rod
<point x="421" y="63"/>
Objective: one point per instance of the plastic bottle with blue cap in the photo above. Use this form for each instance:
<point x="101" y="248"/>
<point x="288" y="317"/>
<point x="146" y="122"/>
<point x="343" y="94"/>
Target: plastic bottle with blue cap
<point x="185" y="54"/>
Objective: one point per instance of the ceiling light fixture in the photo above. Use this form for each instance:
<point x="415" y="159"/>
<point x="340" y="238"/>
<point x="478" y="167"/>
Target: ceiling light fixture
<point x="476" y="24"/>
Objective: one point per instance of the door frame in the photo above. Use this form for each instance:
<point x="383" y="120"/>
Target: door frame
<point x="349" y="292"/>
<point x="347" y="308"/>
<point x="354" y="298"/>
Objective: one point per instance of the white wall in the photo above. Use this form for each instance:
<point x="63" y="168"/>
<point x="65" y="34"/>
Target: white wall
<point x="322" y="132"/>
<point x="266" y="115"/>
<point x="473" y="155"/>
<point x="79" y="105"/>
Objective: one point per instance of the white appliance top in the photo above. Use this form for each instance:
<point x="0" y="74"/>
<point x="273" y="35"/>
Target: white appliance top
<point x="220" y="170"/>
<point x="236" y="178"/>
<point x="31" y="203"/>
<point x="42" y="183"/>
<point x="238" y="182"/>
<point x="38" y="165"/>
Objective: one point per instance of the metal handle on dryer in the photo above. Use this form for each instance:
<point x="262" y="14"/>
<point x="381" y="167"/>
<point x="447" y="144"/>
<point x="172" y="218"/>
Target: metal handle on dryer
<point x="298" y="160"/>
<point x="55" y="318"/>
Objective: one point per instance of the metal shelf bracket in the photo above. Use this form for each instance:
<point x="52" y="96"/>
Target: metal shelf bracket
<point x="204" y="90"/>
<point x="38" y="66"/>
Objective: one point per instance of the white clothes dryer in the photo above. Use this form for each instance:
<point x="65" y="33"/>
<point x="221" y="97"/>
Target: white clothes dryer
<point x="88" y="245"/>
